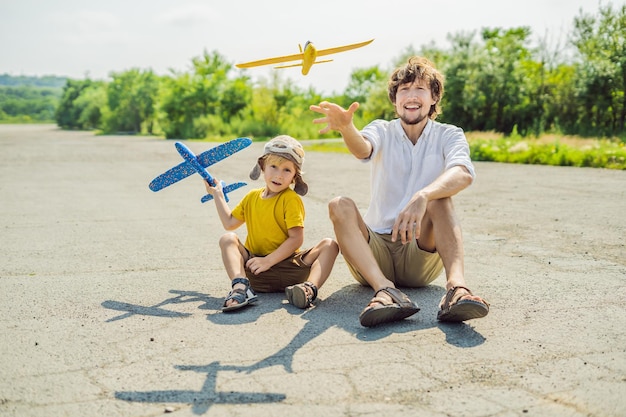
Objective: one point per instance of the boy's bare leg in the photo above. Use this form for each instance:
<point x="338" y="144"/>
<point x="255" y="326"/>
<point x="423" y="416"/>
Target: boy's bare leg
<point x="322" y="259"/>
<point x="233" y="256"/>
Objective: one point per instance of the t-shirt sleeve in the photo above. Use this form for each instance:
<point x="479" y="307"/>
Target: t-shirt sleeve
<point x="294" y="211"/>
<point x="372" y="133"/>
<point x="238" y="211"/>
<point x="457" y="151"/>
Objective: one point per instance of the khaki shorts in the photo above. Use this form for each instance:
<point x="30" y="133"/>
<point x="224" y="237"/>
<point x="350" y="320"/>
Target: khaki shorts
<point x="287" y="272"/>
<point x="404" y="265"/>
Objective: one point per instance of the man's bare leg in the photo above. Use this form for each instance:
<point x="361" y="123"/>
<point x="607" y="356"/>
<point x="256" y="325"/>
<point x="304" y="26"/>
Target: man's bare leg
<point x="352" y="235"/>
<point x="441" y="231"/>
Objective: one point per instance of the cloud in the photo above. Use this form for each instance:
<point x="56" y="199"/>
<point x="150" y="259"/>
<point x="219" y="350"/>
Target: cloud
<point x="84" y="27"/>
<point x="188" y="15"/>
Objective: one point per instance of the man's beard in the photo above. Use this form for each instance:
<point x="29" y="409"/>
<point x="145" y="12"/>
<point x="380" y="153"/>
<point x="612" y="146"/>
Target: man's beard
<point x="415" y="121"/>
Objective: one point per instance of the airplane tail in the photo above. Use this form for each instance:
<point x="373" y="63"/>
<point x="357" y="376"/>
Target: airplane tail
<point x="226" y="189"/>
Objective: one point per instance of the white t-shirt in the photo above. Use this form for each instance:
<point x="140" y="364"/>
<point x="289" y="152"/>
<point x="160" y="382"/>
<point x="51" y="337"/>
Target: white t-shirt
<point x="400" y="169"/>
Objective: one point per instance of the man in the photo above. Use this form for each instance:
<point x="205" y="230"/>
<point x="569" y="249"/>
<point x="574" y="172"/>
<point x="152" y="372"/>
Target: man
<point x="410" y="231"/>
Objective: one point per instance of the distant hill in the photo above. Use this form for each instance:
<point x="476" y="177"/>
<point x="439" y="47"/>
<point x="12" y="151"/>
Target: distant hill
<point x="25" y="80"/>
<point x="26" y="99"/>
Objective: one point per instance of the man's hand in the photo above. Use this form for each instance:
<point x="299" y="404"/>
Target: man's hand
<point x="337" y="118"/>
<point x="409" y="222"/>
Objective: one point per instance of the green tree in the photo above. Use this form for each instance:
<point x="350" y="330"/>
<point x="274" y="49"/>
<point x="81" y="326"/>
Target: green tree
<point x="362" y="83"/>
<point x="203" y="101"/>
<point x="68" y="113"/>
<point x="131" y="97"/>
<point x="461" y="66"/>
<point x="601" y="44"/>
<point x="502" y="78"/>
<point x="91" y="105"/>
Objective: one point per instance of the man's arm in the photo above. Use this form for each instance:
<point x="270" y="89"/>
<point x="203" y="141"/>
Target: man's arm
<point x="449" y="183"/>
<point x="341" y="120"/>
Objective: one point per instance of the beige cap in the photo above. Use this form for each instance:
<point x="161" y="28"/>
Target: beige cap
<point x="288" y="148"/>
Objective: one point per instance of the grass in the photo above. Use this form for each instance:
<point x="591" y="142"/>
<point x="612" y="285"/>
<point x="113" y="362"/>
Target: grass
<point x="549" y="149"/>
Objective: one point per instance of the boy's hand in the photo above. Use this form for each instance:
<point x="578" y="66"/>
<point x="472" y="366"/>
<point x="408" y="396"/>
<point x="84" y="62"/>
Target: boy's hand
<point x="214" y="191"/>
<point x="258" y="264"/>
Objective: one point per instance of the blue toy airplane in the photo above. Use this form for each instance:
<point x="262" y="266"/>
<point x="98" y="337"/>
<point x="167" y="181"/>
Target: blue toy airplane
<point x="196" y="164"/>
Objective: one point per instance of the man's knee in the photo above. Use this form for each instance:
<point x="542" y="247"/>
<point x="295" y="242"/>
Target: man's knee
<point x="341" y="208"/>
<point x="440" y="207"/>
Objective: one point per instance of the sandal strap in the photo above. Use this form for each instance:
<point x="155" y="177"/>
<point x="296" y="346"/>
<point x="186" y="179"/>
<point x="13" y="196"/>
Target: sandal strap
<point x="396" y="295"/>
<point x="244" y="281"/>
<point x="447" y="299"/>
<point x="313" y="288"/>
<point x="236" y="294"/>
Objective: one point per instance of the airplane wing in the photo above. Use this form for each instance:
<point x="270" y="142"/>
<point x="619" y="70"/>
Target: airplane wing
<point x="322" y="52"/>
<point x="207" y="158"/>
<point x="300" y="56"/>
<point x="268" y="61"/>
<point x="300" y="64"/>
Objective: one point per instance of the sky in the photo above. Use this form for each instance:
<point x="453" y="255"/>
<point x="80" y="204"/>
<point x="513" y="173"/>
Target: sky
<point x="86" y="38"/>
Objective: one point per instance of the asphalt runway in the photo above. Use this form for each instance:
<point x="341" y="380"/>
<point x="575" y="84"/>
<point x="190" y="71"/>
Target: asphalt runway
<point x="112" y="295"/>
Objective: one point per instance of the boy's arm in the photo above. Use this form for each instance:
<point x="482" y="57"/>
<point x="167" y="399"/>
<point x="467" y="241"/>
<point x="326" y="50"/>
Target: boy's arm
<point x="224" y="212"/>
<point x="287" y="248"/>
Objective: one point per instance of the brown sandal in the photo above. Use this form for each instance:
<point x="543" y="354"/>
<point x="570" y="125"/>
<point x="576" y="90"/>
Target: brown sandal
<point x="461" y="310"/>
<point x="299" y="296"/>
<point x="384" y="312"/>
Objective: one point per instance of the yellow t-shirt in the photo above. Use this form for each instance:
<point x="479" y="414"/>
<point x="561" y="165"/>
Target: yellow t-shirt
<point x="269" y="219"/>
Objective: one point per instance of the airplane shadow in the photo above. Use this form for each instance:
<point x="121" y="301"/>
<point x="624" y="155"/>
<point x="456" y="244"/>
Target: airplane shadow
<point x="201" y="400"/>
<point x="340" y="309"/>
<point x="157" y="310"/>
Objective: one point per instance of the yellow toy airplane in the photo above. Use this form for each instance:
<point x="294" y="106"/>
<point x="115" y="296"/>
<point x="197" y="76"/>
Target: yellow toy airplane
<point x="308" y="56"/>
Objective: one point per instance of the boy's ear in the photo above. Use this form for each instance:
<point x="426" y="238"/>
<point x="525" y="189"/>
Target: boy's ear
<point x="256" y="172"/>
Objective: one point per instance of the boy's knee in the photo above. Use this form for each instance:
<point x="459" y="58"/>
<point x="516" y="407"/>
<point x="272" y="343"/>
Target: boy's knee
<point x="228" y="238"/>
<point x="331" y="245"/>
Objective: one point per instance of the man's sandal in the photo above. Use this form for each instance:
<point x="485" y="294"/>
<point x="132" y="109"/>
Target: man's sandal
<point x="383" y="311"/>
<point x="454" y="309"/>
<point x="242" y="297"/>
<point x="301" y="295"/>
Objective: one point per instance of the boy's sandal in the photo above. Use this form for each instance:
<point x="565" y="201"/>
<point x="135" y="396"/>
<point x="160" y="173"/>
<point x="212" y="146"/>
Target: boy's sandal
<point x="299" y="296"/>
<point x="242" y="297"/>
<point x="380" y="310"/>
<point x="454" y="309"/>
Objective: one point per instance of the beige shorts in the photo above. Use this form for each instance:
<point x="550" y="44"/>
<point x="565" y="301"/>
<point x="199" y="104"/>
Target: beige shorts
<point x="404" y="265"/>
<point x="290" y="271"/>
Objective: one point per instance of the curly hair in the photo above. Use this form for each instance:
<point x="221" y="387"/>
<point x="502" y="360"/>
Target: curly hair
<point x="418" y="68"/>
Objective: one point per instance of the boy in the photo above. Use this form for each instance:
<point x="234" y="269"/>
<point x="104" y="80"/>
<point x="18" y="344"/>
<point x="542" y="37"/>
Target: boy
<point x="271" y="259"/>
